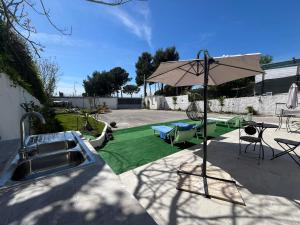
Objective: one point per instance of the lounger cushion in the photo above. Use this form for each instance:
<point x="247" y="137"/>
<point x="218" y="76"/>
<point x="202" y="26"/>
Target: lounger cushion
<point x="163" y="130"/>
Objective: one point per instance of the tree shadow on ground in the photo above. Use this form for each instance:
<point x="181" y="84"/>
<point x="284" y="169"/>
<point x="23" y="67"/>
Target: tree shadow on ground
<point x="80" y="197"/>
<point x="270" y="190"/>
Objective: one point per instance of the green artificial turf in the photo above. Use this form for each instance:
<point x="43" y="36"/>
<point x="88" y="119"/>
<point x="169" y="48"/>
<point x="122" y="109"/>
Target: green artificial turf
<point x="137" y="146"/>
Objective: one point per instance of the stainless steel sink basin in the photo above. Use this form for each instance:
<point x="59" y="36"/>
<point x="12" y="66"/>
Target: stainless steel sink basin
<point x="55" y="146"/>
<point x="47" y="155"/>
<point x="41" y="166"/>
<point x="51" y="147"/>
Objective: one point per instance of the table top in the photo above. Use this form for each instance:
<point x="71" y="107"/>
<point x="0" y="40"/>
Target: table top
<point x="264" y="125"/>
<point x="287" y="115"/>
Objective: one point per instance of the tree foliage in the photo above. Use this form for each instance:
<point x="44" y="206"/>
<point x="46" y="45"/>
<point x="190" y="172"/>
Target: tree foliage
<point x="265" y="59"/>
<point x="49" y="72"/>
<point x="147" y="63"/>
<point x="164" y="55"/>
<point x="172" y="91"/>
<point x="144" y="67"/>
<point x="131" y="89"/>
<point x="110" y="2"/>
<point x="15" y="16"/>
<point x="238" y="88"/>
<point x="105" y="83"/>
<point x="119" y="78"/>
<point x="16" y="61"/>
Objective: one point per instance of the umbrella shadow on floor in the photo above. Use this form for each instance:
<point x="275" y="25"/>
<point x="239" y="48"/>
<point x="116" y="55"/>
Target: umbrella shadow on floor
<point x="267" y="177"/>
<point x="155" y="188"/>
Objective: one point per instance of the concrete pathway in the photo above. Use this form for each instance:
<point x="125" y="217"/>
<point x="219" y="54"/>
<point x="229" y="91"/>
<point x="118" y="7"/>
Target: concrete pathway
<point x="270" y="190"/>
<point x="90" y="195"/>
<point x="126" y="118"/>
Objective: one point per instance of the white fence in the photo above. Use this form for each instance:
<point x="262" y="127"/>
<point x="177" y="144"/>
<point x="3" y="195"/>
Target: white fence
<point x="11" y="96"/>
<point x="264" y="105"/>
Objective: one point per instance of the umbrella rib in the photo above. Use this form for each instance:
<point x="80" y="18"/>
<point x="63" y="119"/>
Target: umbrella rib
<point x="238" y="67"/>
<point x="209" y="75"/>
<point x="186" y="72"/>
<point x="167" y="71"/>
<point x="193" y="67"/>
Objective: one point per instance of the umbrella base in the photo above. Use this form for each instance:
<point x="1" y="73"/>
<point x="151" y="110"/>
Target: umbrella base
<point x="215" y="184"/>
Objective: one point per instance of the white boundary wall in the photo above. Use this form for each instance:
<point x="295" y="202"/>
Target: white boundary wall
<point x="11" y="96"/>
<point x="264" y="105"/>
<point x="87" y="102"/>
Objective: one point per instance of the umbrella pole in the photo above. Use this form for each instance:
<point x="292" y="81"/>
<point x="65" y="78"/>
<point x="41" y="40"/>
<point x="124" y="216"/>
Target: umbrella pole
<point x="206" y="70"/>
<point x="207" y="62"/>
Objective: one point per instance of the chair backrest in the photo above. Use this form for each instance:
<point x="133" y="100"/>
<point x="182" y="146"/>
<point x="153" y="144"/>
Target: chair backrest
<point x="184" y="133"/>
<point x="250" y="130"/>
<point x="248" y="117"/>
<point x="236" y="121"/>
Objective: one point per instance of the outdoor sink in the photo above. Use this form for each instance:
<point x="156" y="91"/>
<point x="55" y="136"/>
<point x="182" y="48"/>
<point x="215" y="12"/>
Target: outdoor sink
<point x="47" y="155"/>
<point x="41" y="166"/>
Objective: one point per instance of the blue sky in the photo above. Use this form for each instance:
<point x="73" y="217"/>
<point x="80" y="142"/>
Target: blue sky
<point x="104" y="37"/>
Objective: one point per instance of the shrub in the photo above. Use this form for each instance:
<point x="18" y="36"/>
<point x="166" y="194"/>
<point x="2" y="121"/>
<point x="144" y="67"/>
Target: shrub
<point x="174" y="98"/>
<point x="221" y="100"/>
<point x="52" y="124"/>
<point x="193" y="96"/>
<point x="113" y="124"/>
<point x="17" y="62"/>
<point x="250" y="109"/>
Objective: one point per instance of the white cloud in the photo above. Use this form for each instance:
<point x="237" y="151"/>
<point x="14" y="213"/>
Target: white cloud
<point x="61" y="40"/>
<point x="137" y="20"/>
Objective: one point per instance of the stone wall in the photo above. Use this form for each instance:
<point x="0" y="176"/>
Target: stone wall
<point x="11" y="96"/>
<point x="264" y="105"/>
<point x="88" y="102"/>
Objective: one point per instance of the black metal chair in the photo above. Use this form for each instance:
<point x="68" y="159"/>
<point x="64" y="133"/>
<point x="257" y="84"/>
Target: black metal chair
<point x="290" y="147"/>
<point x="250" y="134"/>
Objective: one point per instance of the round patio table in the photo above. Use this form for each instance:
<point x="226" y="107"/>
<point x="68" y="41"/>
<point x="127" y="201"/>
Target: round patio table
<point x="261" y="128"/>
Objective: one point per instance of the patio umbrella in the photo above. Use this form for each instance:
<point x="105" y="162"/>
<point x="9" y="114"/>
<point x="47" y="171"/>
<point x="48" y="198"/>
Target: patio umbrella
<point x="292" y="101"/>
<point x="207" y="71"/>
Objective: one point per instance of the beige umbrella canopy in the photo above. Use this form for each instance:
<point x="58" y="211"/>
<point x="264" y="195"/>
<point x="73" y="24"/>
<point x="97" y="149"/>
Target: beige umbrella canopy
<point x="222" y="69"/>
<point x="207" y="71"/>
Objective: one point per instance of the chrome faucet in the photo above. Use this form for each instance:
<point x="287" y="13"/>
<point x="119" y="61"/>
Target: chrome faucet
<point x="22" y="130"/>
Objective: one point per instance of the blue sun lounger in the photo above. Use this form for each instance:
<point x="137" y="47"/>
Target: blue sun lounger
<point x="162" y="130"/>
<point x="177" y="134"/>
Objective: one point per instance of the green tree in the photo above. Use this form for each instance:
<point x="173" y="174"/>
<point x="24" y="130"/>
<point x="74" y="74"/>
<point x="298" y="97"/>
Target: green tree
<point x="238" y="88"/>
<point x="164" y="55"/>
<point x="49" y="72"/>
<point x="144" y="68"/>
<point x="99" y="84"/>
<point x="265" y="59"/>
<point x="106" y="82"/>
<point x="119" y="78"/>
<point x="131" y="89"/>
